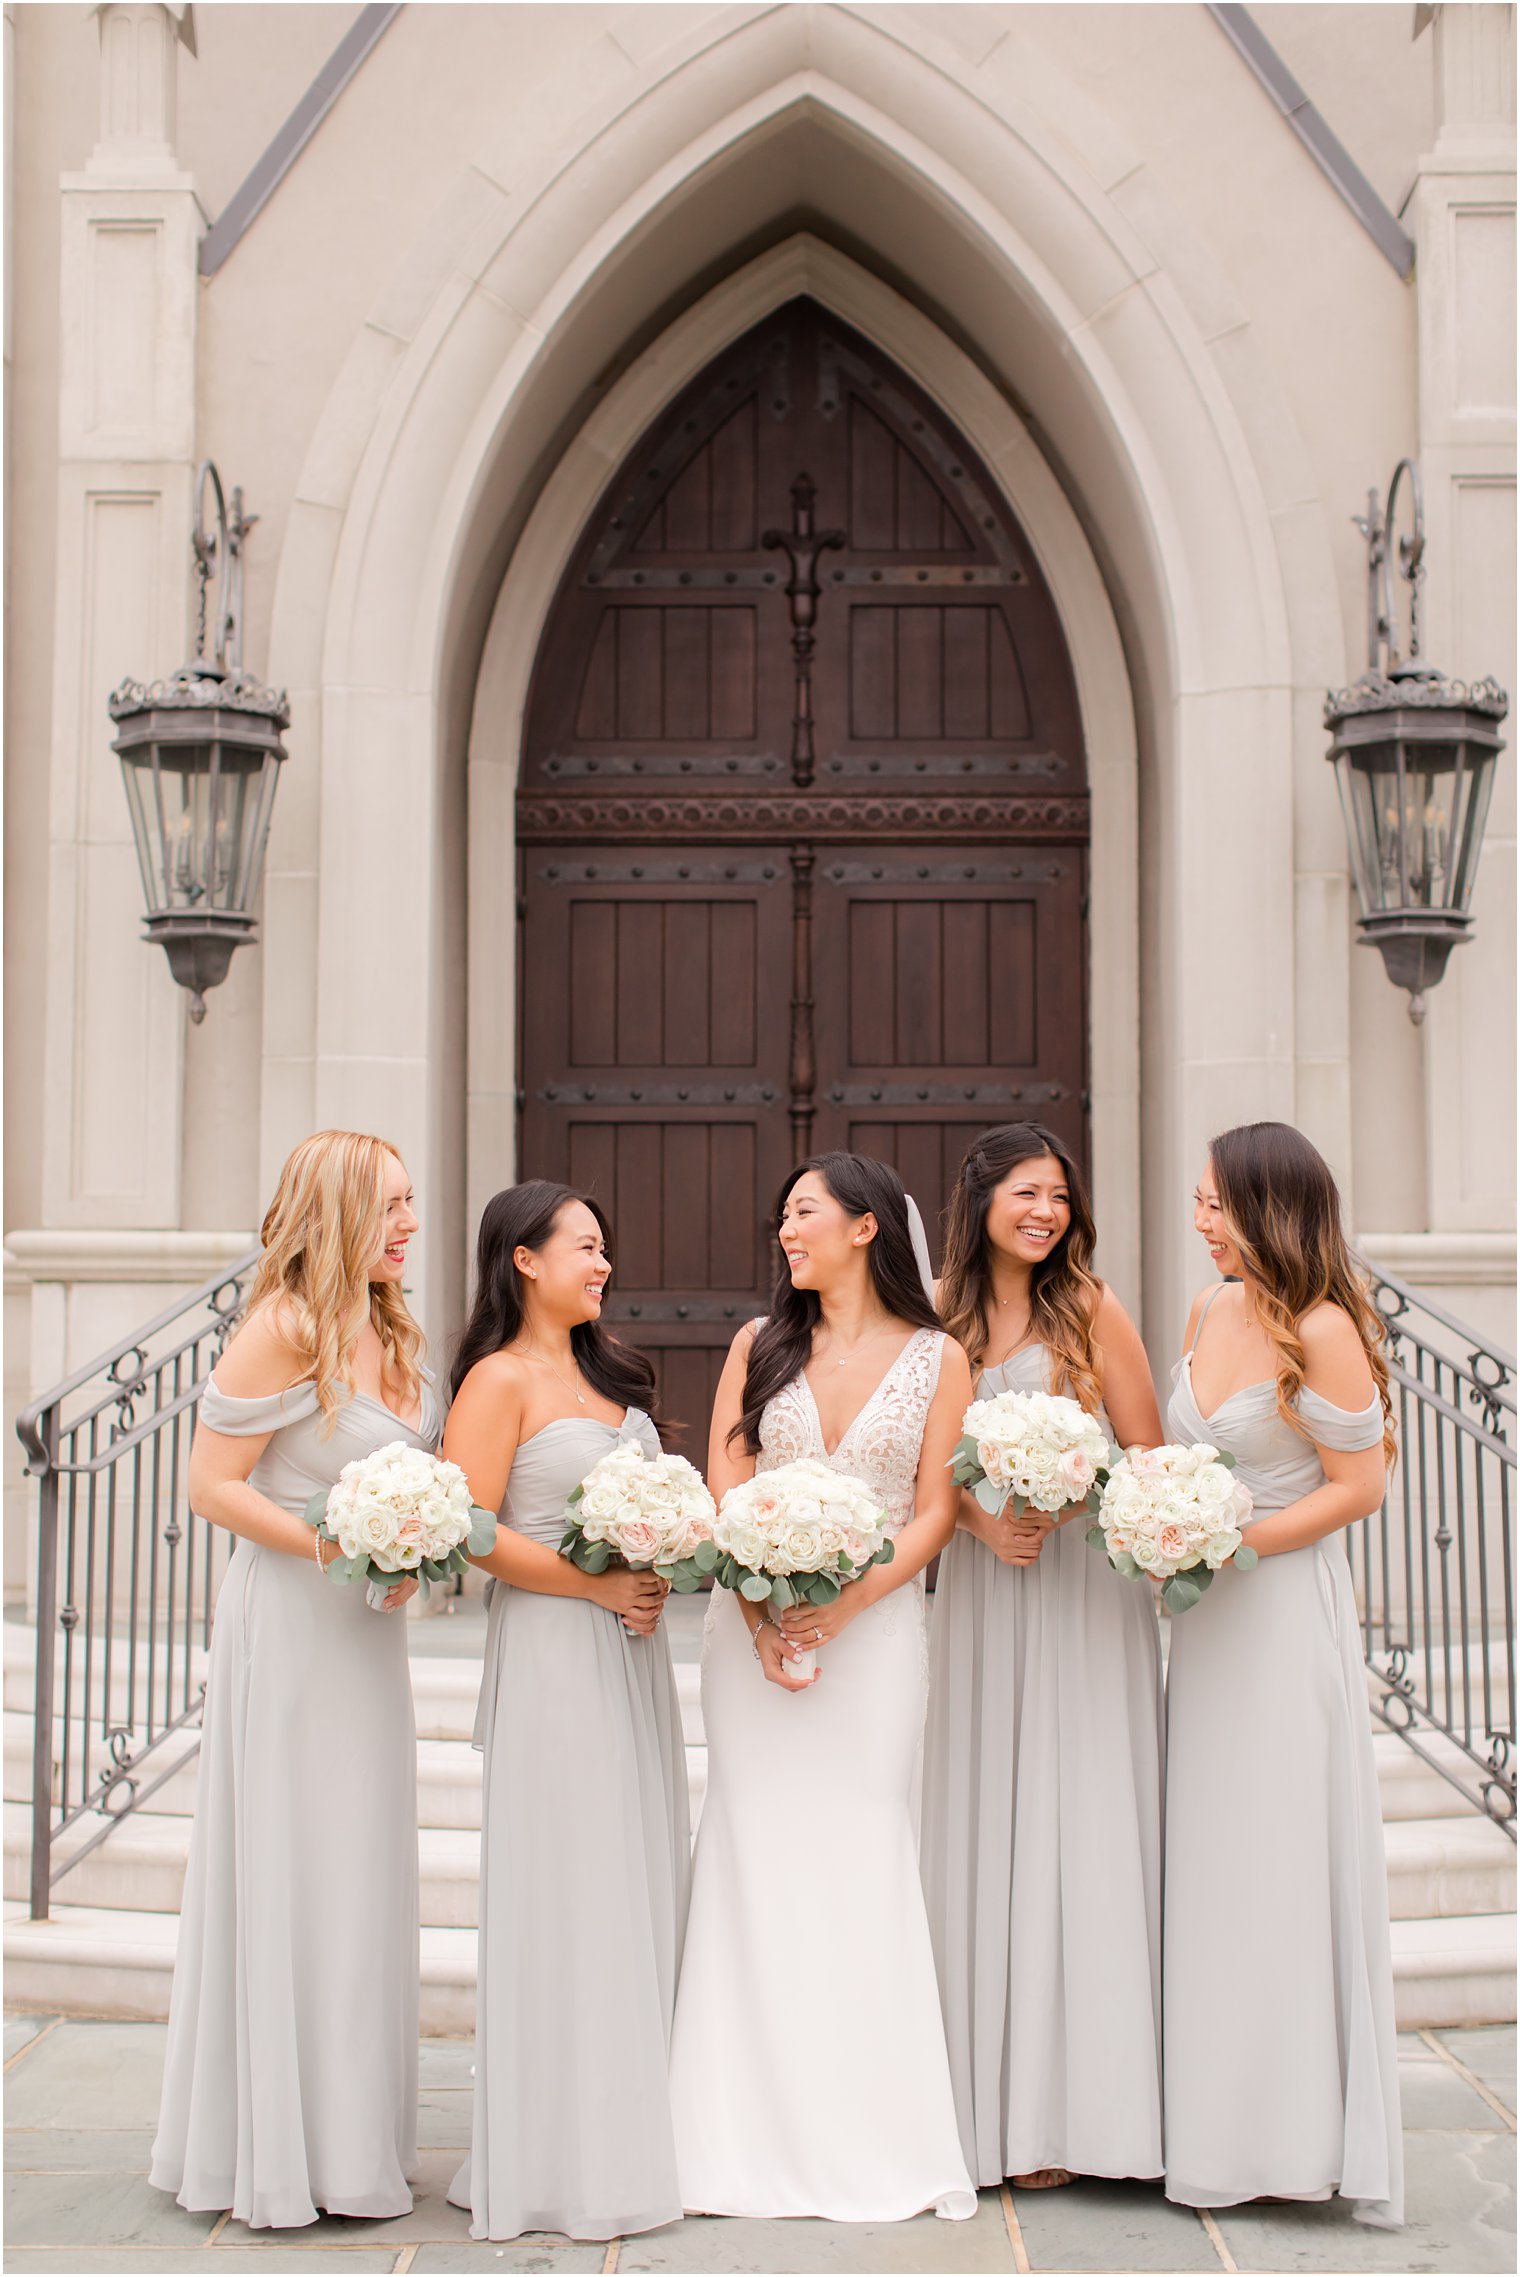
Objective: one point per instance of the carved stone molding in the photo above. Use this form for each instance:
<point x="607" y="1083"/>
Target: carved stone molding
<point x="746" y="817"/>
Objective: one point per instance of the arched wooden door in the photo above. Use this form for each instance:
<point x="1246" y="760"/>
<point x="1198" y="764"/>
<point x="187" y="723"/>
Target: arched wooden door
<point x="803" y="827"/>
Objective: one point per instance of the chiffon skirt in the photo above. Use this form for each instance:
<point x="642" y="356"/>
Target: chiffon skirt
<point x="1281" y="2058"/>
<point x="585" y="1849"/>
<point x="290" y="2078"/>
<point x="1041" y="1857"/>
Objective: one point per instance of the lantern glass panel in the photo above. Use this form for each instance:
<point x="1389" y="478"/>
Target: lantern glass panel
<point x="233" y="801"/>
<point x="1373" y="794"/>
<point x="1428" y="781"/>
<point x="140" y="777"/>
<point x="1470" y="796"/>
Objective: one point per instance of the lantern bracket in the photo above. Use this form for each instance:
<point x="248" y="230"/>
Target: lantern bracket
<point x="1378" y="526"/>
<point x="218" y="551"/>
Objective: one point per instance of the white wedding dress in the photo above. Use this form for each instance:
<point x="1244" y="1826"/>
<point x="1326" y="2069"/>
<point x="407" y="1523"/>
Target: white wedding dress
<point x="808" y="2064"/>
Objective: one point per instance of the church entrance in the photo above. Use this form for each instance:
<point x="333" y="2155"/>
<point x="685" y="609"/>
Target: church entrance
<point x="803" y="826"/>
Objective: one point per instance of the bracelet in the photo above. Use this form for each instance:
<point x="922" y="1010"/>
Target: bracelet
<point x="316" y="1548"/>
<point x="764" y="1622"/>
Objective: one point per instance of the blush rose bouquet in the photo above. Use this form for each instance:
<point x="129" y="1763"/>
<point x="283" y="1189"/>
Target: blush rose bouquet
<point x="400" y="1513"/>
<point x="796" y="1535"/>
<point x="1176" y="1513"/>
<point x="645" y="1511"/>
<point x="1030" y="1449"/>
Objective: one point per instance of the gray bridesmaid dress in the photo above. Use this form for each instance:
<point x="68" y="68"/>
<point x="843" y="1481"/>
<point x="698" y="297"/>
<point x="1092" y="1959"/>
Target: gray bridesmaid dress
<point x="1041" y="1848"/>
<point x="585" y="1858"/>
<point x="1281" y="2059"/>
<point x="290" y="2074"/>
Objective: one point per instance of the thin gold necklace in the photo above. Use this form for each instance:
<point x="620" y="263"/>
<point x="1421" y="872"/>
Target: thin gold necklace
<point x="861" y="1341"/>
<point x="578" y="1396"/>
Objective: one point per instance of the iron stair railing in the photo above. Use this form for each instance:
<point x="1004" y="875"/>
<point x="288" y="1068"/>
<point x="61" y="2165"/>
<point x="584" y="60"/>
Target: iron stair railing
<point x="126" y="1572"/>
<point x="1434" y="1567"/>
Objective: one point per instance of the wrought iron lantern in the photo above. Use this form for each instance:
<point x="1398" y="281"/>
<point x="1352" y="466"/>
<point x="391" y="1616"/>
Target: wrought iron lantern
<point x="201" y="756"/>
<point x="1414" y="756"/>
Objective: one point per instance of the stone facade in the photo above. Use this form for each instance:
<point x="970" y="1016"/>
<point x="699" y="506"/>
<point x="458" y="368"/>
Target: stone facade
<point x="1088" y="232"/>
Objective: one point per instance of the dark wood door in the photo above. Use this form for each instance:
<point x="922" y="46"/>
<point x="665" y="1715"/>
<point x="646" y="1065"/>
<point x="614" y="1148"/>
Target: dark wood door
<point x="803" y="827"/>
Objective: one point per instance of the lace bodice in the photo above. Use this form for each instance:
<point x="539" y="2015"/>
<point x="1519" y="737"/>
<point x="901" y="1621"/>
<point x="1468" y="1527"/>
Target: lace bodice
<point x="882" y="1444"/>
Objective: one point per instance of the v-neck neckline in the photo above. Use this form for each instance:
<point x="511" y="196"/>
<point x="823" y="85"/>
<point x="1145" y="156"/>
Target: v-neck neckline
<point x="1219" y="1407"/>
<point x="868" y="1402"/>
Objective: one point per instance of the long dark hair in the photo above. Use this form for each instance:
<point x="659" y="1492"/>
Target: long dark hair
<point x="1063" y="1289"/>
<point x="783" y="1344"/>
<point x="1283" y="1209"/>
<point x="523" y="1217"/>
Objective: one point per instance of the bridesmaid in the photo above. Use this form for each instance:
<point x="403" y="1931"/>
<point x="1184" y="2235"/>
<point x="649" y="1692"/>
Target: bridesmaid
<point x="1281" y="2074"/>
<point x="1043" y="1757"/>
<point x="585" y="1832"/>
<point x="290" y="2078"/>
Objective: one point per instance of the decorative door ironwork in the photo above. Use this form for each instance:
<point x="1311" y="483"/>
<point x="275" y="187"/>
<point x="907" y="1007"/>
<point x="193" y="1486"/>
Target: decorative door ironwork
<point x="803" y="847"/>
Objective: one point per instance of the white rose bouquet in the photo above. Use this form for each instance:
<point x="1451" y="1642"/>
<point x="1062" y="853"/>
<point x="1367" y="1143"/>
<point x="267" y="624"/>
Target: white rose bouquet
<point x="400" y="1513"/>
<point x="644" y="1510"/>
<point x="795" y="1535"/>
<point x="1030" y="1448"/>
<point x="1176" y="1513"/>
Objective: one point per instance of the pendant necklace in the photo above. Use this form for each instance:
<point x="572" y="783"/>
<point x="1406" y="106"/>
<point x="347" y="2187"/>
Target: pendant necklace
<point x="578" y="1396"/>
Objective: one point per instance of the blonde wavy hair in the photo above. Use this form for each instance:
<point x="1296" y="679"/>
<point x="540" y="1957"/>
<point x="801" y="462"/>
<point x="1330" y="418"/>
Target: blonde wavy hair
<point x="1283" y="1211"/>
<point x="321" y="1235"/>
<point x="1064" y="1292"/>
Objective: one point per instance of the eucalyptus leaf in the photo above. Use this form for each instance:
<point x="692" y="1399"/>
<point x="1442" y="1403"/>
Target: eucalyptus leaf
<point x="756" y="1587"/>
<point x="989" y="1496"/>
<point x="1245" y="1557"/>
<point x="1124" y="1564"/>
<point x="596" y="1557"/>
<point x="1180" y="1593"/>
<point x="886" y="1553"/>
<point x="1223" y="1455"/>
<point x="782" y="1592"/>
<point x="341" y="1569"/>
<point x="573" y="1497"/>
<point x="1095" y="1539"/>
<point x="316" y="1508"/>
<point x="706" y="1556"/>
<point x="685" y="1584"/>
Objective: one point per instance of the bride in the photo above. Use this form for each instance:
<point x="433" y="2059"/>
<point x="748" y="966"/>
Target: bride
<point x="808" y="2065"/>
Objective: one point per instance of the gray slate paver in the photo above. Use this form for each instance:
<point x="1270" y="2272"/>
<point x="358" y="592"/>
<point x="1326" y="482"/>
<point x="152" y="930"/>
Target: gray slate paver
<point x="1459" y="2207"/>
<point x="75" y="2262"/>
<point x="84" y="2210"/>
<point x="443" y="2118"/>
<point x="86" y="2074"/>
<point x="507" y="2260"/>
<point x="20" y="2030"/>
<point x="79" y="2150"/>
<point x="710" y="2243"/>
<point x="1489" y="2052"/>
<point x="1433" y="2096"/>
<point x="1092" y="2225"/>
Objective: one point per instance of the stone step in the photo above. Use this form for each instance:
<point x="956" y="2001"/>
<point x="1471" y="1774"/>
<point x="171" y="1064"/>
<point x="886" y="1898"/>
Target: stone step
<point x="1454" y="1970"/>
<point x="99" y="1961"/>
<point x="1444" y="1868"/>
<point x="94" y="1961"/>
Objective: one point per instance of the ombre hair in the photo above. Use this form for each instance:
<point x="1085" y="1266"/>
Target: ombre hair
<point x="1064" y="1292"/>
<point x="1283" y="1211"/>
<point x="322" y="1237"/>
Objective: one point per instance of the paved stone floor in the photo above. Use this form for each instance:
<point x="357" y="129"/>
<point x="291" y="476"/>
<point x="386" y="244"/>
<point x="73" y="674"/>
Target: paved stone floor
<point x="81" y="2097"/>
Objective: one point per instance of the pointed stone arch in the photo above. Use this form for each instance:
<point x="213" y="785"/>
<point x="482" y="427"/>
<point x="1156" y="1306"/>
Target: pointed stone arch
<point x="478" y="388"/>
